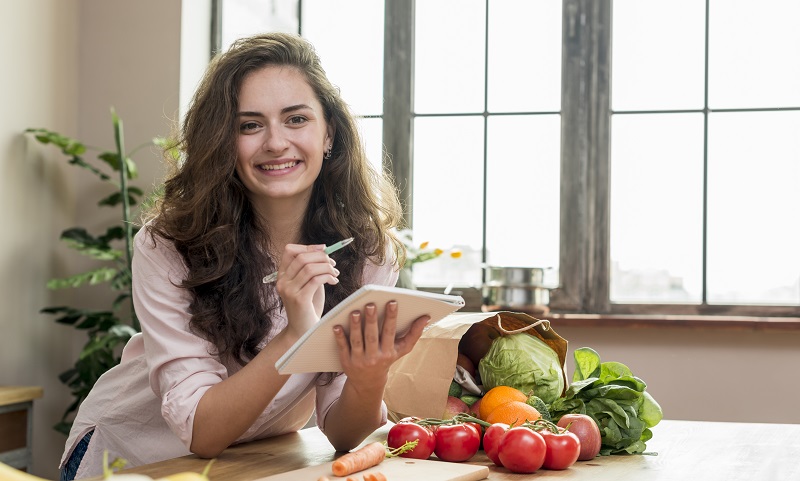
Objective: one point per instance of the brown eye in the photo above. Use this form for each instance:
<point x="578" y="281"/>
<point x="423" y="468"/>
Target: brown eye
<point x="248" y="127"/>
<point x="297" y="120"/>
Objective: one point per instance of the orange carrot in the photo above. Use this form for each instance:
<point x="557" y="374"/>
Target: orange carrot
<point x="370" y="455"/>
<point x="376" y="476"/>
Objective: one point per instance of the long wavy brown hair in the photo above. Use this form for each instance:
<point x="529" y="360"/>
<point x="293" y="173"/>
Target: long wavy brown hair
<point x="205" y="211"/>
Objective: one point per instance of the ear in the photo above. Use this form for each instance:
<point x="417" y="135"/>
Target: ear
<point x="331" y="134"/>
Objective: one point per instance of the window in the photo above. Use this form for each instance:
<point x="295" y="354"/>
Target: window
<point x="648" y="152"/>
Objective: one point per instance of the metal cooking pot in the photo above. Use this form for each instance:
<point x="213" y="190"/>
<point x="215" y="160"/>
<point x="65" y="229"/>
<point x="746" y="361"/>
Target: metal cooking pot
<point x="519" y="289"/>
<point x="516" y="298"/>
<point x="514" y="276"/>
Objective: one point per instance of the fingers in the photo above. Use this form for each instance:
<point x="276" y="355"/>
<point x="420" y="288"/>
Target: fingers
<point x="356" y="338"/>
<point x="305" y="266"/>
<point x="389" y="326"/>
<point x="369" y="344"/>
<point x="371" y="337"/>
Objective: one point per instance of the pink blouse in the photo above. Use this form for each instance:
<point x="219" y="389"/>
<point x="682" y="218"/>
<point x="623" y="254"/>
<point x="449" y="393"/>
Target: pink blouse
<point x="143" y="409"/>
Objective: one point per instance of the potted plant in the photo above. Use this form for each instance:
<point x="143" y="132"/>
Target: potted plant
<point x="110" y="328"/>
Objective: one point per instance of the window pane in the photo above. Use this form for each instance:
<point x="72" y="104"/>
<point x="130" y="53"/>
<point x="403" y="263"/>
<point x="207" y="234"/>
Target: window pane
<point x="527" y="77"/>
<point x="449" y="56"/>
<point x="242" y="18"/>
<point x="348" y="36"/>
<point x="372" y="136"/>
<point x="523" y="182"/>
<point x="448" y="197"/>
<point x="754" y="194"/>
<point x="657" y="208"/>
<point x="659" y="51"/>
<point x="754" y="53"/>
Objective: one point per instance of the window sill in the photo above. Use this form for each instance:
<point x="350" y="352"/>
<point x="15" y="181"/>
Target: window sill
<point x="694" y="322"/>
<point x="654" y="320"/>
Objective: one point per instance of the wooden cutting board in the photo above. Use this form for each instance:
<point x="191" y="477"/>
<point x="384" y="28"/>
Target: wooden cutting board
<point x="395" y="469"/>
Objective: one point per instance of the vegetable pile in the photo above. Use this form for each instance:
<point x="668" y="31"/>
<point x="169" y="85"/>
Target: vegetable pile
<point x="508" y="395"/>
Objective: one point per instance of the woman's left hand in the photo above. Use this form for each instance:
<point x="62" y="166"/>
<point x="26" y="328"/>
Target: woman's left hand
<point x="367" y="352"/>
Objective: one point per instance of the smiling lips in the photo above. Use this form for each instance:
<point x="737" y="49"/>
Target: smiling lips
<point x="285" y="165"/>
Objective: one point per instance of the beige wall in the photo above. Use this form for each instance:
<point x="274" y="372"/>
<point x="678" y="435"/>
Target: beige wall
<point x="68" y="61"/>
<point x="705" y="374"/>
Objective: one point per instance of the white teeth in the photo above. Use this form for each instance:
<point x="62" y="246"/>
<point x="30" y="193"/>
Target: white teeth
<point x="285" y="165"/>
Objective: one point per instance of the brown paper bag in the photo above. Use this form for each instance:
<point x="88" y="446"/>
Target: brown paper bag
<point x="419" y="382"/>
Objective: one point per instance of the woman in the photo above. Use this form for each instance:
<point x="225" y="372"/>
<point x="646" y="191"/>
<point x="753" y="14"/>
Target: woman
<point x="272" y="171"/>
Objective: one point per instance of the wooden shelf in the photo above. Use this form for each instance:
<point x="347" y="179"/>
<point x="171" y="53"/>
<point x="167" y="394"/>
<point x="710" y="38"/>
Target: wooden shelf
<point x="19" y="394"/>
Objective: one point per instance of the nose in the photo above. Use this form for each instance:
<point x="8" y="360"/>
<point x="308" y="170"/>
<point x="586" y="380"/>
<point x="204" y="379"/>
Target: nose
<point x="274" y="140"/>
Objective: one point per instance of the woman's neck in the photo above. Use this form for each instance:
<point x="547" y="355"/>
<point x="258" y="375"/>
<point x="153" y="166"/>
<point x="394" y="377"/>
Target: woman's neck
<point x="284" y="220"/>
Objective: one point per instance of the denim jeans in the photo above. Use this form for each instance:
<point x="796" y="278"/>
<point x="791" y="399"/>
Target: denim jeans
<point x="71" y="468"/>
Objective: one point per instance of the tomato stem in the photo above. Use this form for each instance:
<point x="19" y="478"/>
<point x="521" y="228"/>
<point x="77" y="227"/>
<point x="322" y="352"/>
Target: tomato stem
<point x="406" y="447"/>
<point x="459" y="418"/>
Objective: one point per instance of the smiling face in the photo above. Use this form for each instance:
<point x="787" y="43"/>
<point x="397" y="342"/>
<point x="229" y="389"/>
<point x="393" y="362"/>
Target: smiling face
<point x="282" y="136"/>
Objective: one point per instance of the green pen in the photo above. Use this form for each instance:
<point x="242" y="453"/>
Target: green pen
<point x="328" y="250"/>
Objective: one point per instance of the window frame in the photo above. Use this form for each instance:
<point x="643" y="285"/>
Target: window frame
<point x="584" y="285"/>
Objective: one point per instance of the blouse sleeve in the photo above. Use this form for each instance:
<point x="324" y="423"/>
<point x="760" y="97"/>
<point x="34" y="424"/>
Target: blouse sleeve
<point x="181" y="368"/>
<point x="385" y="274"/>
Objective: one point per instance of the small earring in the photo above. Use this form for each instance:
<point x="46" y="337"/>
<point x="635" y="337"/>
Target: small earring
<point x="328" y="152"/>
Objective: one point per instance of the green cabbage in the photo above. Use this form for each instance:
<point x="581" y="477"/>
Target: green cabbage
<point x="523" y="362"/>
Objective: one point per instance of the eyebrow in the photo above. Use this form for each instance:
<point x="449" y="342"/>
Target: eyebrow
<point x="291" y="108"/>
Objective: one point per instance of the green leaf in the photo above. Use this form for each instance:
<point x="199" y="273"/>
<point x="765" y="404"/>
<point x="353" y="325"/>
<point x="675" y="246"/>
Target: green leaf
<point x="577" y="387"/>
<point x="120" y="299"/>
<point x="67" y="375"/>
<point x="63" y="427"/>
<point x="608" y="407"/>
<point x="67" y="145"/>
<point x="75" y="160"/>
<point x="133" y="171"/>
<point x="650" y="412"/>
<point x="94" y="319"/>
<point x="610" y="371"/>
<point x="169" y="146"/>
<point x="71" y="316"/>
<point x="122" y="331"/>
<point x="116" y="199"/>
<point x="122" y="280"/>
<point x="110" y="158"/>
<point x="587" y="364"/>
<point x="112" y="233"/>
<point x="95" y="247"/>
<point x="94" y="277"/>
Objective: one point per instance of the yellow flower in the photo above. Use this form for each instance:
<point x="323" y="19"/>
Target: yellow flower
<point x="423" y="245"/>
<point x="438" y="252"/>
<point x="455" y="254"/>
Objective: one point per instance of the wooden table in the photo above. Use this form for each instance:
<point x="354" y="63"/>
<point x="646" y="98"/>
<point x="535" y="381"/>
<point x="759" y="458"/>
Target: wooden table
<point x="16" y="424"/>
<point x="686" y="450"/>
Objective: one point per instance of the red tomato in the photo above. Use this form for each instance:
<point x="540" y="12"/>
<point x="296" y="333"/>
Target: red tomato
<point x="456" y="442"/>
<point x="491" y="441"/>
<point x="410" y="431"/>
<point x="522" y="450"/>
<point x="478" y="428"/>
<point x="562" y="449"/>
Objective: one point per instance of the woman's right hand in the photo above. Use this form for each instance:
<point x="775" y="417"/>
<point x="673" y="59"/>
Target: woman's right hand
<point x="302" y="274"/>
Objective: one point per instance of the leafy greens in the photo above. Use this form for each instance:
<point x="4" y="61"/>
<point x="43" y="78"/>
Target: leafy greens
<point x="610" y="394"/>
